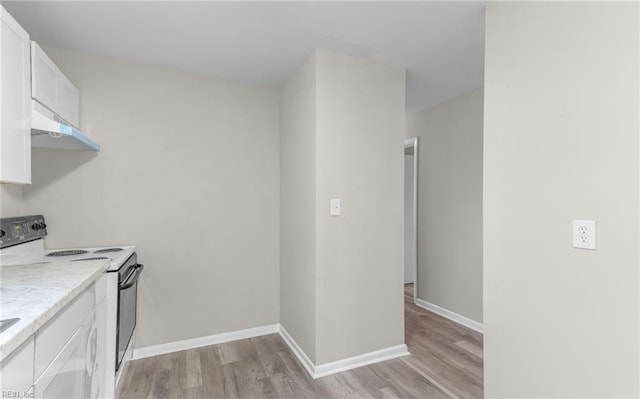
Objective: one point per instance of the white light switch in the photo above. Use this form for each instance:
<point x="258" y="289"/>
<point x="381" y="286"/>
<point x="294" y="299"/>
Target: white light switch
<point x="335" y="207"/>
<point x="584" y="234"/>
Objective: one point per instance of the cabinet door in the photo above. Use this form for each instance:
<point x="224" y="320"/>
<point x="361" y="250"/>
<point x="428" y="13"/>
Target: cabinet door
<point x="64" y="378"/>
<point x="95" y="354"/>
<point x="79" y="369"/>
<point x="17" y="370"/>
<point x="15" y="101"/>
<point x="45" y="79"/>
<point x="70" y="102"/>
<point x="53" y="336"/>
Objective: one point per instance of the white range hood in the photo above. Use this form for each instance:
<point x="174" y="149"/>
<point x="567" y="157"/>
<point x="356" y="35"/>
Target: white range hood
<point x="48" y="130"/>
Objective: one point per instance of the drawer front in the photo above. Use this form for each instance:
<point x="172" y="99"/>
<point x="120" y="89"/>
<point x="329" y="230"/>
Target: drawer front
<point x="53" y="336"/>
<point x="17" y="370"/>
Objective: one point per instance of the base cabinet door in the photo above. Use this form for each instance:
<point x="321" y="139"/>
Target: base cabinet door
<point x="16" y="372"/>
<point x="78" y="370"/>
<point x="94" y="338"/>
<point x="64" y="378"/>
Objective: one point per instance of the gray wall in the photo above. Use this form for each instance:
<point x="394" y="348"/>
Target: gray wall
<point x="11" y="197"/>
<point x="342" y="124"/>
<point x="359" y="159"/>
<point x="298" y="207"/>
<point x="561" y="143"/>
<point x="450" y="203"/>
<point x="188" y="172"/>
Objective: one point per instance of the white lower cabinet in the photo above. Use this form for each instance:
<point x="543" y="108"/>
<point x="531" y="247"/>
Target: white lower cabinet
<point x="95" y="353"/>
<point x="68" y="357"/>
<point x="77" y="371"/>
<point x="16" y="371"/>
<point x="64" y="376"/>
<point x="70" y="354"/>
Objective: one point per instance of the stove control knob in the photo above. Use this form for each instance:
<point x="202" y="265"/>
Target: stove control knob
<point x="2" y="233"/>
<point x="38" y="226"/>
<point x="43" y="225"/>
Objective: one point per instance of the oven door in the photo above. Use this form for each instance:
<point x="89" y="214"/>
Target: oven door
<point x="127" y="305"/>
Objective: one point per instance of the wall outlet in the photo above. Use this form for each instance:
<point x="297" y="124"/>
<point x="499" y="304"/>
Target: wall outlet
<point x="584" y="234"/>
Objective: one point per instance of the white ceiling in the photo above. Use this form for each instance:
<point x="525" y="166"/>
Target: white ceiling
<point x="440" y="43"/>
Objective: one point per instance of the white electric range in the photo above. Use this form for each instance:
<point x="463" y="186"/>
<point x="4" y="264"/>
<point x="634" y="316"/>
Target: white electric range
<point x="22" y="243"/>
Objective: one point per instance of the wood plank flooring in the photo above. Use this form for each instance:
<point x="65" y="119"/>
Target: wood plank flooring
<point x="445" y="351"/>
<point x="445" y="362"/>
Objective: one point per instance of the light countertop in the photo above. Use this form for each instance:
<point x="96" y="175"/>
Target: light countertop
<point x="36" y="293"/>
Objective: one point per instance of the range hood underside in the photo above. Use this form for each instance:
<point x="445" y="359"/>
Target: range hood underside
<point x="43" y="139"/>
<point x="46" y="132"/>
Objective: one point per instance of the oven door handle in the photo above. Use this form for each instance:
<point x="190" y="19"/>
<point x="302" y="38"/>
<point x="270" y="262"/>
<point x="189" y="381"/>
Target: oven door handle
<point x="132" y="278"/>
<point x="130" y="272"/>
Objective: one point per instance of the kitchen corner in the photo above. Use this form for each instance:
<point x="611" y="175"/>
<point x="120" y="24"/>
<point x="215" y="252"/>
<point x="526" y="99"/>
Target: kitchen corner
<point x="69" y="315"/>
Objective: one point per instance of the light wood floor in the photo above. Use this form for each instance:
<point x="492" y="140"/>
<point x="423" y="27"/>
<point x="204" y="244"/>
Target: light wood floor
<point x="445" y="362"/>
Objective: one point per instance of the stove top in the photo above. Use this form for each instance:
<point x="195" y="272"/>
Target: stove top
<point x="67" y="253"/>
<point x="102" y="251"/>
<point x="34" y="252"/>
<point x="22" y="243"/>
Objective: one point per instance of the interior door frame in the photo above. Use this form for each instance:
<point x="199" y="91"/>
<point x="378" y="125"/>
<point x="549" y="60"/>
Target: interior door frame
<point x="408" y="143"/>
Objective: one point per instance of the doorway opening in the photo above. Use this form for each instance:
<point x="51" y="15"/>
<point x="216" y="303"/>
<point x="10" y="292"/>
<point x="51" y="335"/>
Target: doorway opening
<point x="411" y="214"/>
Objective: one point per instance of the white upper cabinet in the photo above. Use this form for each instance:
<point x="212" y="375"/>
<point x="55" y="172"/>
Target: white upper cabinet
<point x="69" y="101"/>
<point x="46" y="76"/>
<point x="52" y="89"/>
<point x="15" y="102"/>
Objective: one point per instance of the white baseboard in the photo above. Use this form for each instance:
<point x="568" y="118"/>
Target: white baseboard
<point x="185" y="344"/>
<point x="295" y="348"/>
<point x="338" y="366"/>
<point x="446" y="313"/>
<point x="313" y="370"/>
<point x="349" y="363"/>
